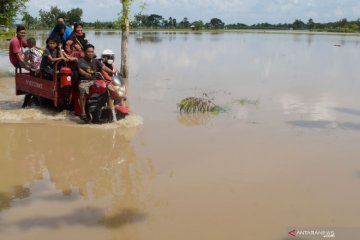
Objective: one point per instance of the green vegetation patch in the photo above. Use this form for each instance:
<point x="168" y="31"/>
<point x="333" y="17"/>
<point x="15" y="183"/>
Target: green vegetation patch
<point x="7" y="34"/>
<point x="198" y="104"/>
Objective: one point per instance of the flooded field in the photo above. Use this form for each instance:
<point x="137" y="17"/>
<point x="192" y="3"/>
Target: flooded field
<point x="282" y="156"/>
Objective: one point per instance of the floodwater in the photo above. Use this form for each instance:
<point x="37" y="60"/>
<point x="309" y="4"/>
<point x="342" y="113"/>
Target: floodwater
<point x="284" y="155"/>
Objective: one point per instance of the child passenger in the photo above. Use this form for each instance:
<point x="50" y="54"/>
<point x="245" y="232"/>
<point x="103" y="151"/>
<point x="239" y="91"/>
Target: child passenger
<point x="33" y="57"/>
<point x="51" y="54"/>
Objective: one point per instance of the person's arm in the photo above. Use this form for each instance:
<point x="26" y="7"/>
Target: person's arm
<point x="77" y="47"/>
<point x="69" y="57"/>
<point x="62" y="56"/>
<point x="20" y="57"/>
<point x="40" y="48"/>
<point x="16" y="50"/>
<point x="85" y="74"/>
<point x="68" y="46"/>
<point x="54" y="59"/>
<point x="24" y="43"/>
<point x="113" y="68"/>
<point x="106" y="69"/>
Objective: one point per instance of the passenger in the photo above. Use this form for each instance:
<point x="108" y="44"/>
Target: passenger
<point x="51" y="54"/>
<point x="16" y="46"/>
<point x="59" y="32"/>
<point x="67" y="30"/>
<point x="88" y="66"/>
<point x="33" y="57"/>
<point x="107" y="58"/>
<point x="75" y="44"/>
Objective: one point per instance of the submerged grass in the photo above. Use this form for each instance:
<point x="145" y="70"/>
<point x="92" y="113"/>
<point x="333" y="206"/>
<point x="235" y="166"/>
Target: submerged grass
<point x="198" y="105"/>
<point x="206" y="104"/>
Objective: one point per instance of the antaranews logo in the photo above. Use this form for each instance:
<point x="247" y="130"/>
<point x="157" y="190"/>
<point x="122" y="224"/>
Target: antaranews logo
<point x="312" y="233"/>
<point x="292" y="233"/>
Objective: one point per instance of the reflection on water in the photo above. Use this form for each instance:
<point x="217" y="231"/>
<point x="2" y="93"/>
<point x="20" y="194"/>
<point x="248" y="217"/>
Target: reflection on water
<point x="108" y="33"/>
<point x="87" y="177"/>
<point x="148" y="37"/>
<point x="319" y="108"/>
<point x="326" y="124"/>
<point x="18" y="192"/>
<point x="310" y="39"/>
<point x="348" y="110"/>
<point x="194" y="119"/>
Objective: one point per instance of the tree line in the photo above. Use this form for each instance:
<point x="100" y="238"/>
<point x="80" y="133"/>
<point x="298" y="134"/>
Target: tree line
<point x="155" y="21"/>
<point x="48" y="19"/>
<point x="9" y="9"/>
<point x="342" y="25"/>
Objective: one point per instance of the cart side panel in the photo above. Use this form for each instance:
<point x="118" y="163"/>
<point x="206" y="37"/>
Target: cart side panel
<point x="36" y="86"/>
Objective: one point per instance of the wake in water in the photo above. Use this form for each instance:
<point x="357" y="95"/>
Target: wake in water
<point x="12" y="112"/>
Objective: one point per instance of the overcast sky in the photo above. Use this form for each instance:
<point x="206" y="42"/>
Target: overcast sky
<point x="230" y="11"/>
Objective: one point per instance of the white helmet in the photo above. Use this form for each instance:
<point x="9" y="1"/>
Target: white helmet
<point x="109" y="54"/>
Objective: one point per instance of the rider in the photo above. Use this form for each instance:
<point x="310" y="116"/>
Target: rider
<point x="88" y="66"/>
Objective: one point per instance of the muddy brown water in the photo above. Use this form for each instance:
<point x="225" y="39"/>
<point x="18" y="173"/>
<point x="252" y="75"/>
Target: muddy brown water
<point x="283" y="156"/>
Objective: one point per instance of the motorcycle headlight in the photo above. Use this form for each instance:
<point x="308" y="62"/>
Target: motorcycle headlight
<point x="122" y="91"/>
<point x="116" y="81"/>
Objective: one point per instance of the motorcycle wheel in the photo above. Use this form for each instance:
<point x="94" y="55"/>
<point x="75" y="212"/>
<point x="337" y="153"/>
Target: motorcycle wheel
<point x="94" y="116"/>
<point x="120" y="115"/>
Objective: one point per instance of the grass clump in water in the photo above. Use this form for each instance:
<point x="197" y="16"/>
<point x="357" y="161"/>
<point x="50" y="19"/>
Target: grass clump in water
<point x="198" y="105"/>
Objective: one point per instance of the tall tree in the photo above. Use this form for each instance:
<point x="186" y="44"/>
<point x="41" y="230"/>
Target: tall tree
<point x="185" y="23"/>
<point x="9" y="9"/>
<point x="311" y="24"/>
<point x="48" y="18"/>
<point x="198" y="25"/>
<point x="28" y="20"/>
<point x="216" y="23"/>
<point x="154" y="20"/>
<point x="298" y="24"/>
<point x="74" y="15"/>
<point x="139" y="18"/>
<point x="125" y="37"/>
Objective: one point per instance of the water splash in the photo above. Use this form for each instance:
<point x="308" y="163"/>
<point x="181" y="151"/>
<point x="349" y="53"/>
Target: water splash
<point x="11" y="112"/>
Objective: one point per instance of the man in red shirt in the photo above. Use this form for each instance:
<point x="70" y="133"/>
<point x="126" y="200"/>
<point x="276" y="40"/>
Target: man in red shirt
<point x="16" y="48"/>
